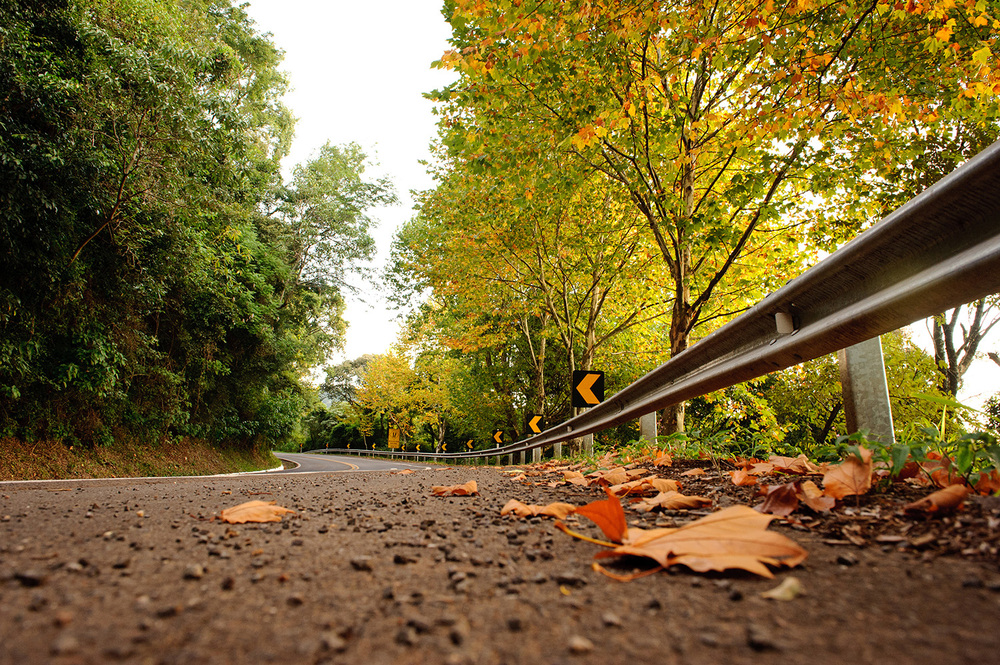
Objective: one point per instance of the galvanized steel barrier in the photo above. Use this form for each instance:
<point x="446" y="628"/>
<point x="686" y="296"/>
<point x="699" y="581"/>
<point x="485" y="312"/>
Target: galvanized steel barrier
<point x="939" y="250"/>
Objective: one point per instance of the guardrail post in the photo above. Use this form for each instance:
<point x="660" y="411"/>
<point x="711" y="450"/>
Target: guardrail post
<point x="557" y="450"/>
<point x="536" y="454"/>
<point x="866" y="392"/>
<point x="588" y="445"/>
<point x="647" y="427"/>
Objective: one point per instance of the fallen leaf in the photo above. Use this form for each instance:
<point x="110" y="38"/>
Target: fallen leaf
<point x="811" y="495"/>
<point x="467" y="489"/>
<point x="735" y="537"/>
<point x="780" y="500"/>
<point x="671" y="500"/>
<point x="988" y="483"/>
<point x="789" y="589"/>
<point x="557" y="509"/>
<point x="254" y="511"/>
<point x="402" y="473"/>
<point x="942" y="470"/>
<point x="741" y="477"/>
<point x="663" y="458"/>
<point x="850" y="477"/>
<point x="665" y="485"/>
<point x="697" y="471"/>
<point x="611" y="476"/>
<point x="797" y="465"/>
<point x="608" y="515"/>
<point x="945" y="500"/>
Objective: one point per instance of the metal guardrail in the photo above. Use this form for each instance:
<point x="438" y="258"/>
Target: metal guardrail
<point x="938" y="251"/>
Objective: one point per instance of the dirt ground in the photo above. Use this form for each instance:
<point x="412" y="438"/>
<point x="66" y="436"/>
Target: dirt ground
<point x="374" y="569"/>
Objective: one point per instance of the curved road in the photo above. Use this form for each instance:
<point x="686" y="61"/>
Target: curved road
<point x="332" y="463"/>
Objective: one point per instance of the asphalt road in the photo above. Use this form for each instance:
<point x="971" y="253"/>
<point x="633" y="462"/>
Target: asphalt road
<point x="307" y="463"/>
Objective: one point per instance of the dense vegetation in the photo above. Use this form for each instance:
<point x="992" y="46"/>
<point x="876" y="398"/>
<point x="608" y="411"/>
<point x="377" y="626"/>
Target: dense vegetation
<point x="616" y="180"/>
<point x="159" y="277"/>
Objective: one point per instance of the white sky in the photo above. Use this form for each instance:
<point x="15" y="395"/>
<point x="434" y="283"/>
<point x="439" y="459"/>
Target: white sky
<point x="358" y="71"/>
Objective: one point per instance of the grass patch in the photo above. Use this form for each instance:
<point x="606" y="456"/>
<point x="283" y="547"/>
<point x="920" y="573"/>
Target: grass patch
<point x="45" y="460"/>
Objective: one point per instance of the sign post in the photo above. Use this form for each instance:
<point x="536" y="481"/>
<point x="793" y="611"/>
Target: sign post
<point x="535" y="426"/>
<point x="588" y="391"/>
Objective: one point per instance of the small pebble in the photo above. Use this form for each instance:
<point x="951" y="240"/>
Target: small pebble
<point x="65" y="645"/>
<point x="332" y="642"/>
<point x="760" y="639"/>
<point x="362" y="563"/>
<point x="30" y="578"/>
<point x="579" y="644"/>
<point x="194" y="572"/>
<point x="847" y="560"/>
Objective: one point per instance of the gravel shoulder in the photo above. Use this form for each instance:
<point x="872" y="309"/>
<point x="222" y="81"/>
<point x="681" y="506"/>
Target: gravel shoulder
<point x="374" y="569"/>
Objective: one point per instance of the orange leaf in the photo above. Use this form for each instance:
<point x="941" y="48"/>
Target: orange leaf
<point x="780" y="500"/>
<point x="665" y="485"/>
<point x="254" y="511"/>
<point x="988" y="482"/>
<point x="557" y="509"/>
<point x="942" y="470"/>
<point x="811" y="495"/>
<point x="798" y="465"/>
<point x="742" y="477"/>
<point x="735" y="537"/>
<point x="697" y="471"/>
<point x="852" y="476"/>
<point x="467" y="489"/>
<point x="671" y="500"/>
<point x="946" y="500"/>
<point x="663" y="458"/>
<point x="609" y="515"/>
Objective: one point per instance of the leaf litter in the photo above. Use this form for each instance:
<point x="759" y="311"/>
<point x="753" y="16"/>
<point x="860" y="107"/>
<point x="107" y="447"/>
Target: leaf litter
<point x="834" y="501"/>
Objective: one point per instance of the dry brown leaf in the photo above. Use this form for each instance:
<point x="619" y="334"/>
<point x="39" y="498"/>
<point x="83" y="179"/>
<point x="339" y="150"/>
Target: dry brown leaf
<point x="663" y="458"/>
<point x="697" y="471"/>
<point x="609" y="515"/>
<point x="945" y="500"/>
<point x="557" y="509"/>
<point x="942" y="470"/>
<point x="467" y="489"/>
<point x="797" y="465"/>
<point x="671" y="500"/>
<point x="404" y="472"/>
<point x="735" y="537"/>
<point x="850" y="477"/>
<point x="665" y="485"/>
<point x="811" y="495"/>
<point x="988" y="483"/>
<point x="760" y="468"/>
<point x="742" y="477"/>
<point x="254" y="511"/>
<point x="780" y="500"/>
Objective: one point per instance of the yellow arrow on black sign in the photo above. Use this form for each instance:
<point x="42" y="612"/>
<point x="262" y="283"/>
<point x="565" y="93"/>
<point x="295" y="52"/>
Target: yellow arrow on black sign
<point x="535" y="423"/>
<point x="498" y="436"/>
<point x="588" y="388"/>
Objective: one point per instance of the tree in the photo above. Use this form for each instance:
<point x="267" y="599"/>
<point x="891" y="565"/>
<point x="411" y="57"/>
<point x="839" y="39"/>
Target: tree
<point x="723" y="123"/>
<point x="145" y="290"/>
<point x="953" y="357"/>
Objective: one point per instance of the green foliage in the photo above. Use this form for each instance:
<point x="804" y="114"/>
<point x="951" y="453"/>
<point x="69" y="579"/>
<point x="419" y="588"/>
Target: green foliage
<point x="158" y="275"/>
